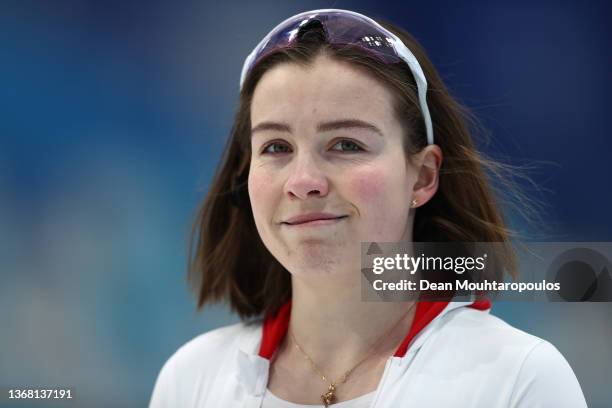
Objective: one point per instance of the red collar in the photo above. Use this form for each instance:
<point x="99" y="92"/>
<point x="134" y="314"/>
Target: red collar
<point x="275" y="326"/>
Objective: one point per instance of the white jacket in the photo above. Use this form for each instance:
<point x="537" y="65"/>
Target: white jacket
<point x="463" y="357"/>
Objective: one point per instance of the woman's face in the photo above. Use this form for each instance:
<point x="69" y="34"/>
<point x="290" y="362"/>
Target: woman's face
<point x="324" y="140"/>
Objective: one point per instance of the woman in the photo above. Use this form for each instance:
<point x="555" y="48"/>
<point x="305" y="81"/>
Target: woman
<point x="340" y="136"/>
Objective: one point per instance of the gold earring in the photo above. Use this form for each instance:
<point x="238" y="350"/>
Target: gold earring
<point x="414" y="203"/>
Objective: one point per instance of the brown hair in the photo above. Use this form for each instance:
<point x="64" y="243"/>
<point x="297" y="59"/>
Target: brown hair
<point x="228" y="260"/>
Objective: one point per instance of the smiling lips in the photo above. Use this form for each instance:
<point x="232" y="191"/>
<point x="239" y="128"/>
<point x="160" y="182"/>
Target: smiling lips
<point x="314" y="219"/>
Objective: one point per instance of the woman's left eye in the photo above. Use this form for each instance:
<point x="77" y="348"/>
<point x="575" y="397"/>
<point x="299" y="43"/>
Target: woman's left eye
<point x="347" y="145"/>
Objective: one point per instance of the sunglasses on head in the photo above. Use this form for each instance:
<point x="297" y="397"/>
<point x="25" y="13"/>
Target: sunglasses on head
<point x="344" y="28"/>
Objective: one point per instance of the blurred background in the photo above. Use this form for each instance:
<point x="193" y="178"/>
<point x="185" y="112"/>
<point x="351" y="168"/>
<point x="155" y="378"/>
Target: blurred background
<point x="114" y="115"/>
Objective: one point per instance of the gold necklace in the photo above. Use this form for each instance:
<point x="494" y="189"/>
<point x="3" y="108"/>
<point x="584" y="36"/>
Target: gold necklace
<point x="329" y="397"/>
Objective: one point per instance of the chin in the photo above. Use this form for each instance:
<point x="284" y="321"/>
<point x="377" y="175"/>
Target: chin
<point x="319" y="254"/>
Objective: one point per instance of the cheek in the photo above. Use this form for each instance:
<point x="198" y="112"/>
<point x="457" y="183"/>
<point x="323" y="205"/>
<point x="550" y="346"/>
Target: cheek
<point x="382" y="182"/>
<point x="381" y="197"/>
<point x="260" y="192"/>
<point x="368" y="185"/>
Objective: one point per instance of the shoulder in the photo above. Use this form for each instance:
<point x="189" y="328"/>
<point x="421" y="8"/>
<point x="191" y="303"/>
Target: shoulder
<point x="477" y="334"/>
<point x="545" y="375"/>
<point x="529" y="368"/>
<point x="477" y="339"/>
<point x="199" y="359"/>
<point x="216" y="344"/>
<point x="485" y="330"/>
<point x="481" y="334"/>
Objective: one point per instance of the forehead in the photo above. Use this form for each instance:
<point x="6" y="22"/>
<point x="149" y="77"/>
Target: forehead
<point x="326" y="90"/>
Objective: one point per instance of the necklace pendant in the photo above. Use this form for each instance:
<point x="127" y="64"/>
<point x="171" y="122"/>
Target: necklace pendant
<point x="329" y="397"/>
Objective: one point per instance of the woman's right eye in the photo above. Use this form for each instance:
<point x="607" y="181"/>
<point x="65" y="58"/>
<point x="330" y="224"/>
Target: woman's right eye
<point x="276" y="148"/>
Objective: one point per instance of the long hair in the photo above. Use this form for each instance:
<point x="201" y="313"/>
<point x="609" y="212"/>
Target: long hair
<point x="227" y="258"/>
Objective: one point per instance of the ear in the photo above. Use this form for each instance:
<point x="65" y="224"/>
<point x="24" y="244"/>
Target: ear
<point x="428" y="162"/>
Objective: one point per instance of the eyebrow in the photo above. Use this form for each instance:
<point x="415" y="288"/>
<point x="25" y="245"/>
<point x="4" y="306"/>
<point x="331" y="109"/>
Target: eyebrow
<point x="321" y="127"/>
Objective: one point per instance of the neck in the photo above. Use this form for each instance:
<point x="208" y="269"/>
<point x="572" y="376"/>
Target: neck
<point x="337" y="329"/>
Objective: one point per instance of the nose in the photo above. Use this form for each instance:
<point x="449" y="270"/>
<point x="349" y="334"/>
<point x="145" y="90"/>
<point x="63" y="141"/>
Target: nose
<point x="306" y="179"/>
